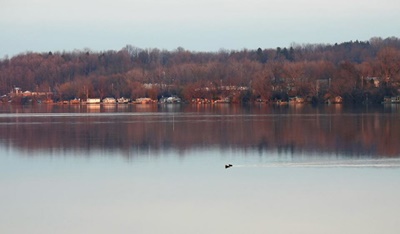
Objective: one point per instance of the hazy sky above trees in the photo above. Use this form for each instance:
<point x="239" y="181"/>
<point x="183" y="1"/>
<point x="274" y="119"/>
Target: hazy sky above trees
<point x="206" y="25"/>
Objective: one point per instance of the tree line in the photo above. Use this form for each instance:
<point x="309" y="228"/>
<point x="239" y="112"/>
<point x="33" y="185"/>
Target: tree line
<point x="355" y="70"/>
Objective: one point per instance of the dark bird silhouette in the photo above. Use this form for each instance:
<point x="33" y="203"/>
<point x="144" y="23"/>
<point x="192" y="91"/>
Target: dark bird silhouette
<point x="228" y="166"/>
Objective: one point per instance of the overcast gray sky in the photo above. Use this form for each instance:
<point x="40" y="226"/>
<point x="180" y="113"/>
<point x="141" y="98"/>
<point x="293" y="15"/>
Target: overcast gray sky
<point x="197" y="25"/>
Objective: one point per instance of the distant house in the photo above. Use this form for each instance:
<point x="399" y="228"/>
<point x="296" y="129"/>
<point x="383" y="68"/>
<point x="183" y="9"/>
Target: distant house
<point x="75" y="101"/>
<point x="391" y="100"/>
<point x="109" y="100"/>
<point x="387" y="100"/>
<point x="201" y="101"/>
<point x="334" y="100"/>
<point x="93" y="101"/>
<point x="123" y="100"/>
<point x="373" y="80"/>
<point x="143" y="101"/>
<point x="16" y="91"/>
<point x="395" y="99"/>
<point x="156" y="85"/>
<point x="173" y="99"/>
<point x="296" y="99"/>
<point x="231" y="88"/>
<point x="27" y="93"/>
<point x="223" y="100"/>
<point x="338" y="99"/>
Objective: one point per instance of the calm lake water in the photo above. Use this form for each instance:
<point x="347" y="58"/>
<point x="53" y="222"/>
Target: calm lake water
<point x="160" y="169"/>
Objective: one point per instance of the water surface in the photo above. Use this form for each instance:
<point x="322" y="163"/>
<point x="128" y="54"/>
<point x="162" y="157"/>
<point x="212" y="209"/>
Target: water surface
<point x="160" y="169"/>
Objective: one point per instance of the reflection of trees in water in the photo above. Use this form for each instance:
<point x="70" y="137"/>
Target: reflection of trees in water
<point x="369" y="134"/>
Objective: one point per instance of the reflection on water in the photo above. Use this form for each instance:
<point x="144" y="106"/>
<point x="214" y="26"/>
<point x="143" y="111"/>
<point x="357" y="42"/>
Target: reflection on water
<point x="131" y="128"/>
